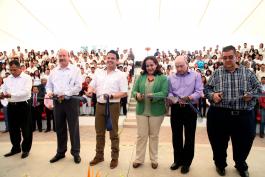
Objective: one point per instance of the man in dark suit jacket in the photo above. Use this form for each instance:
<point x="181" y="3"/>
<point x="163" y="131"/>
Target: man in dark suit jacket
<point x="36" y="109"/>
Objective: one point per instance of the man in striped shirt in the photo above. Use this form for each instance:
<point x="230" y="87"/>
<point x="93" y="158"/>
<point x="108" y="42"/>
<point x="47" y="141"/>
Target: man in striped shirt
<point x="231" y="114"/>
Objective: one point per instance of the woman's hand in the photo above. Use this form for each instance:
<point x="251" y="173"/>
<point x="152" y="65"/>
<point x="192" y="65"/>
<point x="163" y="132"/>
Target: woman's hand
<point x="139" y="96"/>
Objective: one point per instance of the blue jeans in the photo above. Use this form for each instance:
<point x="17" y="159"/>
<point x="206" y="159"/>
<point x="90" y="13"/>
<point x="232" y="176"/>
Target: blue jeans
<point x="262" y="120"/>
<point x="5" y="116"/>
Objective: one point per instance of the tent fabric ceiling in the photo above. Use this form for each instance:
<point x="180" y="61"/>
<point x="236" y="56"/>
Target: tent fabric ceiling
<point x="130" y="23"/>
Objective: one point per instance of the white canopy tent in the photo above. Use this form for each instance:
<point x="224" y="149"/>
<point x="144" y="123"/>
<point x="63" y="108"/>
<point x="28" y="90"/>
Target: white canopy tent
<point x="166" y="24"/>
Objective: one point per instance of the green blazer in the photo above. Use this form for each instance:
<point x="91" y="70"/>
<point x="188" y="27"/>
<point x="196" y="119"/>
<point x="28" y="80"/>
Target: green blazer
<point x="160" y="88"/>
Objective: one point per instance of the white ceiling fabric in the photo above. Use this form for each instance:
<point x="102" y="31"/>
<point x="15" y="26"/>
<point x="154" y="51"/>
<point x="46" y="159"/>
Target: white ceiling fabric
<point x="186" y="24"/>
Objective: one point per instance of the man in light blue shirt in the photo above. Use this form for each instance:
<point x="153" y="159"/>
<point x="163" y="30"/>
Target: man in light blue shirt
<point x="65" y="80"/>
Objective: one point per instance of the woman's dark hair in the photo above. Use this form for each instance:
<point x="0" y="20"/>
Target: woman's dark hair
<point x="214" y="57"/>
<point x="158" y="67"/>
<point x="204" y="81"/>
<point x="215" y="66"/>
<point x="208" y="71"/>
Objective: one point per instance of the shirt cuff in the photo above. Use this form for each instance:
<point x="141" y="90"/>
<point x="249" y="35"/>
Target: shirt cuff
<point x="68" y="93"/>
<point x="170" y="94"/>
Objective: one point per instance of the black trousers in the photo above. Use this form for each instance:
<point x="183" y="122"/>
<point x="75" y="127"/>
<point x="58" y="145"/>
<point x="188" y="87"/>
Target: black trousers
<point x="36" y="115"/>
<point x="223" y="124"/>
<point x="183" y="117"/>
<point x="49" y="118"/>
<point x="124" y="105"/>
<point x="202" y="106"/>
<point x="19" y="121"/>
<point x="94" y="100"/>
<point x="67" y="112"/>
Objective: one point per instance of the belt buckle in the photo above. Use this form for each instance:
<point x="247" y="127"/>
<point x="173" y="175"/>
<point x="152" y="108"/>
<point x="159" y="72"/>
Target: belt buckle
<point x="235" y="113"/>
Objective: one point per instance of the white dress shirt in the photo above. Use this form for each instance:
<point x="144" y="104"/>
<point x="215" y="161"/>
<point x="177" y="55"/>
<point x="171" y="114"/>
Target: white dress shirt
<point x="4" y="101"/>
<point x="110" y="83"/>
<point x="19" y="87"/>
<point x="65" y="81"/>
<point x="36" y="81"/>
<point x="32" y="70"/>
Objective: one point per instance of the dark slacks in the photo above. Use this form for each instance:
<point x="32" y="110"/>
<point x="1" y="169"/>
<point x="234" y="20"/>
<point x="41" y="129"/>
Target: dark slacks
<point x="223" y="124"/>
<point x="49" y="117"/>
<point x="19" y="121"/>
<point x="183" y="117"/>
<point x="101" y="130"/>
<point x="202" y="106"/>
<point x="36" y="115"/>
<point x="124" y="105"/>
<point x="67" y="112"/>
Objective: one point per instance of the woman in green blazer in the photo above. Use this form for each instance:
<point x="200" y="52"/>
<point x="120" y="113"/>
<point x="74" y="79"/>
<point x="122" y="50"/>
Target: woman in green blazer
<point x="150" y="91"/>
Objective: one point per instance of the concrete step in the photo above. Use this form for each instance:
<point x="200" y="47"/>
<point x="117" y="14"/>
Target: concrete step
<point x="129" y="124"/>
<point x="132" y="99"/>
<point x="132" y="103"/>
<point x="132" y="109"/>
<point x="130" y="121"/>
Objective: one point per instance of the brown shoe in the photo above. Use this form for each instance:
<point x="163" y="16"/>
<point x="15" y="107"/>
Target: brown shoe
<point x="113" y="163"/>
<point x="136" y="165"/>
<point x="95" y="161"/>
<point x="154" y="165"/>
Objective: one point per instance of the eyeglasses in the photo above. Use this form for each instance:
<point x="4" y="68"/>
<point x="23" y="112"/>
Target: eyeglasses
<point x="230" y="57"/>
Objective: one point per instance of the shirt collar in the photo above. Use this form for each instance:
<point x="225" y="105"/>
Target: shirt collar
<point x="17" y="76"/>
<point x="67" y="67"/>
<point x="236" y="68"/>
<point x="116" y="69"/>
<point x="188" y="72"/>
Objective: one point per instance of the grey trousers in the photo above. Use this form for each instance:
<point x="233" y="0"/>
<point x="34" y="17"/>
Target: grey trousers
<point x="67" y="112"/>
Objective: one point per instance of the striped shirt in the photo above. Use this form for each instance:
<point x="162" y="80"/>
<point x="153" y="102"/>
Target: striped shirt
<point x="233" y="85"/>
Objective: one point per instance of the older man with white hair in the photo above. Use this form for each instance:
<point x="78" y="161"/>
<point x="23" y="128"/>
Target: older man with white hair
<point x="186" y="86"/>
<point x="65" y="80"/>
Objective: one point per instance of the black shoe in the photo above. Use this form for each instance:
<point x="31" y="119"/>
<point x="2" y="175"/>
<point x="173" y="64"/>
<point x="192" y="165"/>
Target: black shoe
<point x="185" y="169"/>
<point x="11" y="153"/>
<point x="46" y="131"/>
<point x="220" y="171"/>
<point x="40" y="130"/>
<point x="261" y="135"/>
<point x="243" y="173"/>
<point x="56" y="158"/>
<point x="175" y="166"/>
<point x="5" y="131"/>
<point x="24" y="155"/>
<point x="77" y="159"/>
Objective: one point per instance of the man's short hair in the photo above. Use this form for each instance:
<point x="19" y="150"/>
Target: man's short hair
<point x="115" y="53"/>
<point x="262" y="78"/>
<point x="228" y="48"/>
<point x="14" y="62"/>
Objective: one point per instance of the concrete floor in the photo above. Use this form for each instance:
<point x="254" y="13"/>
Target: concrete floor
<point x="37" y="164"/>
<point x="44" y="148"/>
